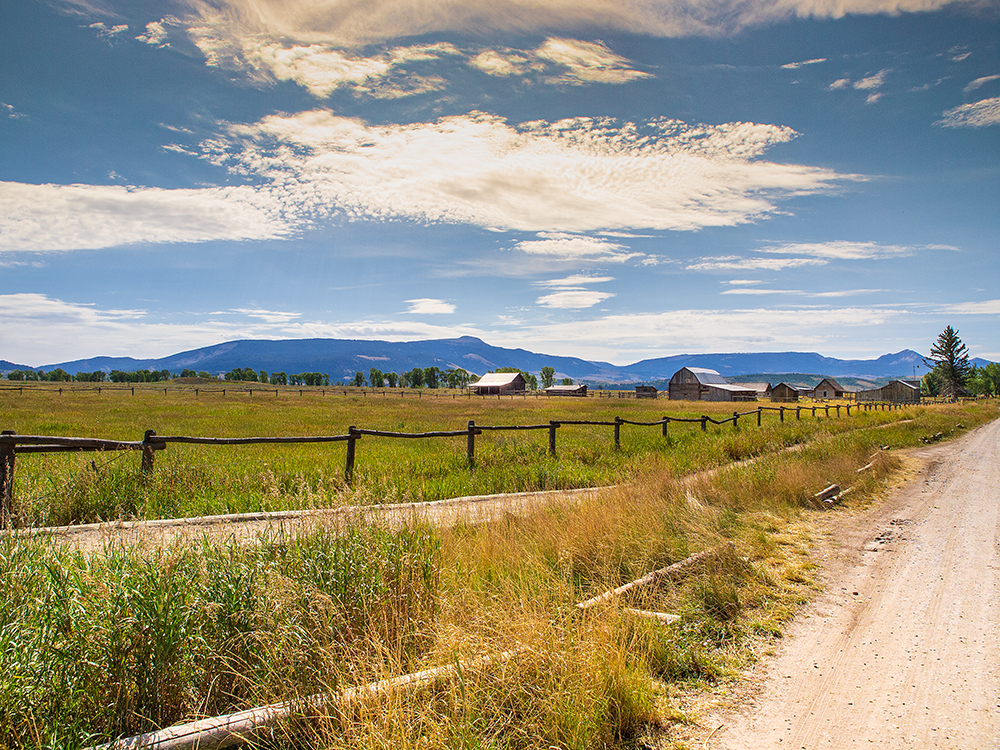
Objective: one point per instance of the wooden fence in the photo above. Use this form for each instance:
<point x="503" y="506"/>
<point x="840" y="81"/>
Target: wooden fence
<point x="12" y="444"/>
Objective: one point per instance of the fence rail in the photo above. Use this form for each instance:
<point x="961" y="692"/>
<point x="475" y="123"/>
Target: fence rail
<point x="12" y="444"/>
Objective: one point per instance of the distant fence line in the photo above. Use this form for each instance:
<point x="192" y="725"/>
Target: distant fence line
<point x="12" y="444"/>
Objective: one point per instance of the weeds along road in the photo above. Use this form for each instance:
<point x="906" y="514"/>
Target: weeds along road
<point x="902" y="650"/>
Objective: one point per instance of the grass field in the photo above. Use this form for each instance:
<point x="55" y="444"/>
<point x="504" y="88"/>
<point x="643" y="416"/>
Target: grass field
<point x="99" y="646"/>
<point x="57" y="489"/>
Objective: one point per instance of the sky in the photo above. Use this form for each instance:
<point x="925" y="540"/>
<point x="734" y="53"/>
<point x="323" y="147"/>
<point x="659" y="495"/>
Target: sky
<point x="610" y="179"/>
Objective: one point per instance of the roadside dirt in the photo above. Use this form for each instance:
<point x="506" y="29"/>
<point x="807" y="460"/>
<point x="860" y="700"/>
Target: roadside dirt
<point x="902" y="648"/>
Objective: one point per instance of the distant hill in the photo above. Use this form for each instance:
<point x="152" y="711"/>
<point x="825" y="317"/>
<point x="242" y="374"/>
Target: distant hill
<point x="6" y="366"/>
<point x="341" y="358"/>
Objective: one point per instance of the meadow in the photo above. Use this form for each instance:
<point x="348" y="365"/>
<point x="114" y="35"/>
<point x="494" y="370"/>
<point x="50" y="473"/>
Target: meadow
<point x="99" y="646"/>
<point x="59" y="489"/>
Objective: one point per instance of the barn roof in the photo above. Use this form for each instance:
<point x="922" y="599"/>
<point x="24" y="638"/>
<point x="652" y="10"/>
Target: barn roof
<point x="497" y="378"/>
<point x="732" y="387"/>
<point x="706" y="376"/>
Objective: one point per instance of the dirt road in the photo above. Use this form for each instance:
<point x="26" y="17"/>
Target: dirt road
<point x="902" y="650"/>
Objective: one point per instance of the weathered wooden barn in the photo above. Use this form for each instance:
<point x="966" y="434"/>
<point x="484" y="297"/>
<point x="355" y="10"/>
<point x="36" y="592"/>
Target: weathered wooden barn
<point x="566" y="390"/>
<point x="703" y="384"/>
<point x="896" y="392"/>
<point x="498" y="384"/>
<point x="784" y="393"/>
<point x="827" y="388"/>
<point x="763" y="389"/>
<point x="645" y="391"/>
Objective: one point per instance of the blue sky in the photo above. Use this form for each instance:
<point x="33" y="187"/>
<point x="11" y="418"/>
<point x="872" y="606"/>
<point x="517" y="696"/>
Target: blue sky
<point x="605" y="179"/>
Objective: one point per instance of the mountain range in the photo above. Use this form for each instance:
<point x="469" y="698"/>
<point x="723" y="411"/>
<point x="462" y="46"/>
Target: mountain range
<point x="341" y="358"/>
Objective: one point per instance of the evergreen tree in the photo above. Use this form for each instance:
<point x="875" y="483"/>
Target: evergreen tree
<point x="950" y="360"/>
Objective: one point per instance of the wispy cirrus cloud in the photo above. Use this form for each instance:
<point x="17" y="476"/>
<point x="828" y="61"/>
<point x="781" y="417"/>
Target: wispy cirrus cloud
<point x="797" y="65"/>
<point x="845" y="250"/>
<point x="979" y="114"/>
<point x="55" y="218"/>
<point x="737" y="263"/>
<point x="573" y="299"/>
<point x="429" y="306"/>
<point x="575" y="175"/>
<point x="560" y="61"/>
<point x="576" y="247"/>
<point x="979" y="82"/>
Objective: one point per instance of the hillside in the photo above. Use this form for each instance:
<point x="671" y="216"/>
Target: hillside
<point x="341" y="358"/>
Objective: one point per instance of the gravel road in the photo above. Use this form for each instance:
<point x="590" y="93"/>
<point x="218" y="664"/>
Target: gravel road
<point x="902" y="650"/>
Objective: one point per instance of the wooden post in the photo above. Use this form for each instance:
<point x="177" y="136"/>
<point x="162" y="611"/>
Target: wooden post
<point x="470" y="445"/>
<point x="814" y="411"/>
<point x="147" y="452"/>
<point x="704" y="423"/>
<point x="552" y="437"/>
<point x="352" y="432"/>
<point x="781" y="413"/>
<point x="6" y="481"/>
<point x="838" y="411"/>
<point x="760" y="409"/>
<point x="798" y="412"/>
<point x="736" y="420"/>
<point x="618" y="431"/>
<point x="666" y="421"/>
<point x="827" y="411"/>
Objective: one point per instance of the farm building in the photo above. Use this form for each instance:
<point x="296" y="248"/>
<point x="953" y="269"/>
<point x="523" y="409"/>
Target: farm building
<point x="827" y="388"/>
<point x="763" y="389"/>
<point x="498" y="383"/>
<point x="702" y="384"/>
<point x="897" y="392"/>
<point x="784" y="393"/>
<point x="645" y="391"/>
<point x="566" y="390"/>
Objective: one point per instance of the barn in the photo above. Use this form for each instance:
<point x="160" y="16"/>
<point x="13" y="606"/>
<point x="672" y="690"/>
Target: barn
<point x="763" y="389"/>
<point x="897" y="392"/>
<point x="645" y="391"/>
<point x="566" y="390"/>
<point x="498" y="384"/>
<point x="702" y="384"/>
<point x="827" y="388"/>
<point x="784" y="393"/>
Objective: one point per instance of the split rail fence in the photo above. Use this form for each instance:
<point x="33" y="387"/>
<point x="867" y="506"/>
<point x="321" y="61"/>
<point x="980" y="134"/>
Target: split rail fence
<point x="13" y="445"/>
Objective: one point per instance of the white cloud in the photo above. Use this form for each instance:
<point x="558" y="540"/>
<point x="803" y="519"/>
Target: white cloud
<point x="572" y="175"/>
<point x="268" y="316"/>
<point x="797" y="65"/>
<point x="987" y="307"/>
<point x="872" y="81"/>
<point x="51" y="218"/>
<point x="979" y="114"/>
<point x="840" y="83"/>
<point x="743" y="282"/>
<point x="844" y="250"/>
<point x="347" y="23"/>
<point x="587" y="62"/>
<point x="109" y="33"/>
<point x="12" y="113"/>
<point x="979" y="82"/>
<point x="577" y="280"/>
<point x="155" y="34"/>
<point x="801" y="293"/>
<point x="573" y="299"/>
<point x="429" y="306"/>
<point x="872" y="98"/>
<point x="736" y="263"/>
<point x="505" y="63"/>
<point x="576" y="247"/>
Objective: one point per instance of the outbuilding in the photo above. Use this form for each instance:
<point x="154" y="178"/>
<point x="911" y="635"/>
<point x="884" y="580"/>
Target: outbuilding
<point x="566" y="390"/>
<point x="896" y="392"/>
<point x="645" y="391"/>
<point x="827" y="388"/>
<point x="703" y="384"/>
<point x="498" y="384"/>
<point x="784" y="393"/>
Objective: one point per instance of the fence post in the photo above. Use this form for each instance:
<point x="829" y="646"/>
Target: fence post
<point x="827" y="411"/>
<point x="704" y="423"/>
<point x="838" y="411"/>
<point x="736" y="420"/>
<point x="666" y="421"/>
<point x="470" y="445"/>
<point x="798" y="412"/>
<point x="147" y="452"/>
<point x="552" y="437"/>
<point x="760" y="409"/>
<point x="7" y="480"/>
<point x="781" y="413"/>
<point x="618" y="430"/>
<point x="352" y="433"/>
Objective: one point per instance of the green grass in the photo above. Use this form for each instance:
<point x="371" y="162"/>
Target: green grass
<point x="56" y="489"/>
<point x="94" y="647"/>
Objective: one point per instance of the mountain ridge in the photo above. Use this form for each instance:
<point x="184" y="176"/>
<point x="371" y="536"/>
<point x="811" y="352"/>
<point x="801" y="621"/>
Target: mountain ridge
<point x="341" y="358"/>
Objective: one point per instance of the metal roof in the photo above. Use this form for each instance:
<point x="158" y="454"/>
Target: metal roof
<point x="497" y="378"/>
<point x="706" y="376"/>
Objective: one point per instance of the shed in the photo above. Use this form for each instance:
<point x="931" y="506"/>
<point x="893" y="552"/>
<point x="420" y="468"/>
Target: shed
<point x="566" y="390"/>
<point x="645" y="391"/>
<point x="827" y="388"/>
<point x="897" y="392"/>
<point x="498" y="383"/>
<point x="702" y="384"/>
<point x="763" y="389"/>
<point x="784" y="393"/>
